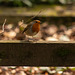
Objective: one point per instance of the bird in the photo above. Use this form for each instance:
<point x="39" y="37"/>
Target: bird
<point x="32" y="28"/>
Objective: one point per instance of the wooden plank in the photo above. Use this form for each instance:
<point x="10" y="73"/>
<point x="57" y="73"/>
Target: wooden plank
<point x="37" y="54"/>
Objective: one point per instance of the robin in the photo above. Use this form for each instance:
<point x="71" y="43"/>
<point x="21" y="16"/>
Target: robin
<point x="33" y="28"/>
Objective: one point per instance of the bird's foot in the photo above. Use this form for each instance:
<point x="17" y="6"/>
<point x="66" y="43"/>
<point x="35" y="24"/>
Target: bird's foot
<point x="32" y="40"/>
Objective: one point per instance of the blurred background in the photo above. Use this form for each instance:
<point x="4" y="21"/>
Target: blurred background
<point x="25" y="70"/>
<point x="58" y="24"/>
<point x="57" y="17"/>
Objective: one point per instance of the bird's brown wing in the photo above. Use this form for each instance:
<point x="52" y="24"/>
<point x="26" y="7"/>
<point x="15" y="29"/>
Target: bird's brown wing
<point x="28" y="26"/>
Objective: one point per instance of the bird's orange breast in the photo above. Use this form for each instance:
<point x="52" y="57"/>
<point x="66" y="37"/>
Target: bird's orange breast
<point x="36" y="27"/>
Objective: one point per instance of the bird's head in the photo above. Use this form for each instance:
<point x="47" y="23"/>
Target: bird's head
<point x="37" y="21"/>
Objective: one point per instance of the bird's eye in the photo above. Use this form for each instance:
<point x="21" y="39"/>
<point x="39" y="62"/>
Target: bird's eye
<point x="36" y="22"/>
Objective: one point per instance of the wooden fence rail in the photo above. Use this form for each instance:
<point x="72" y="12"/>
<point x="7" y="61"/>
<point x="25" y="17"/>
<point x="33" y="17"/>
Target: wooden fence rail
<point x="37" y="54"/>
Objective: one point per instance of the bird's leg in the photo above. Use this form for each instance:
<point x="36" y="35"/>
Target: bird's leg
<point x="34" y="39"/>
<point x="29" y="38"/>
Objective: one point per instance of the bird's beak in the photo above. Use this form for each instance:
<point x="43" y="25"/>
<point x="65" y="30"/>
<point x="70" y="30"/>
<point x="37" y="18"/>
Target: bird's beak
<point x="40" y="22"/>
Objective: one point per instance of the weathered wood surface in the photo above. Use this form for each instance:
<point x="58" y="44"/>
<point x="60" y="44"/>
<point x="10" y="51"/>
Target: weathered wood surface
<point x="37" y="53"/>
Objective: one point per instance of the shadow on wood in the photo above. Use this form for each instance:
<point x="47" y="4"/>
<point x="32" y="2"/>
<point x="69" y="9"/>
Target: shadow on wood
<point x="37" y="54"/>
